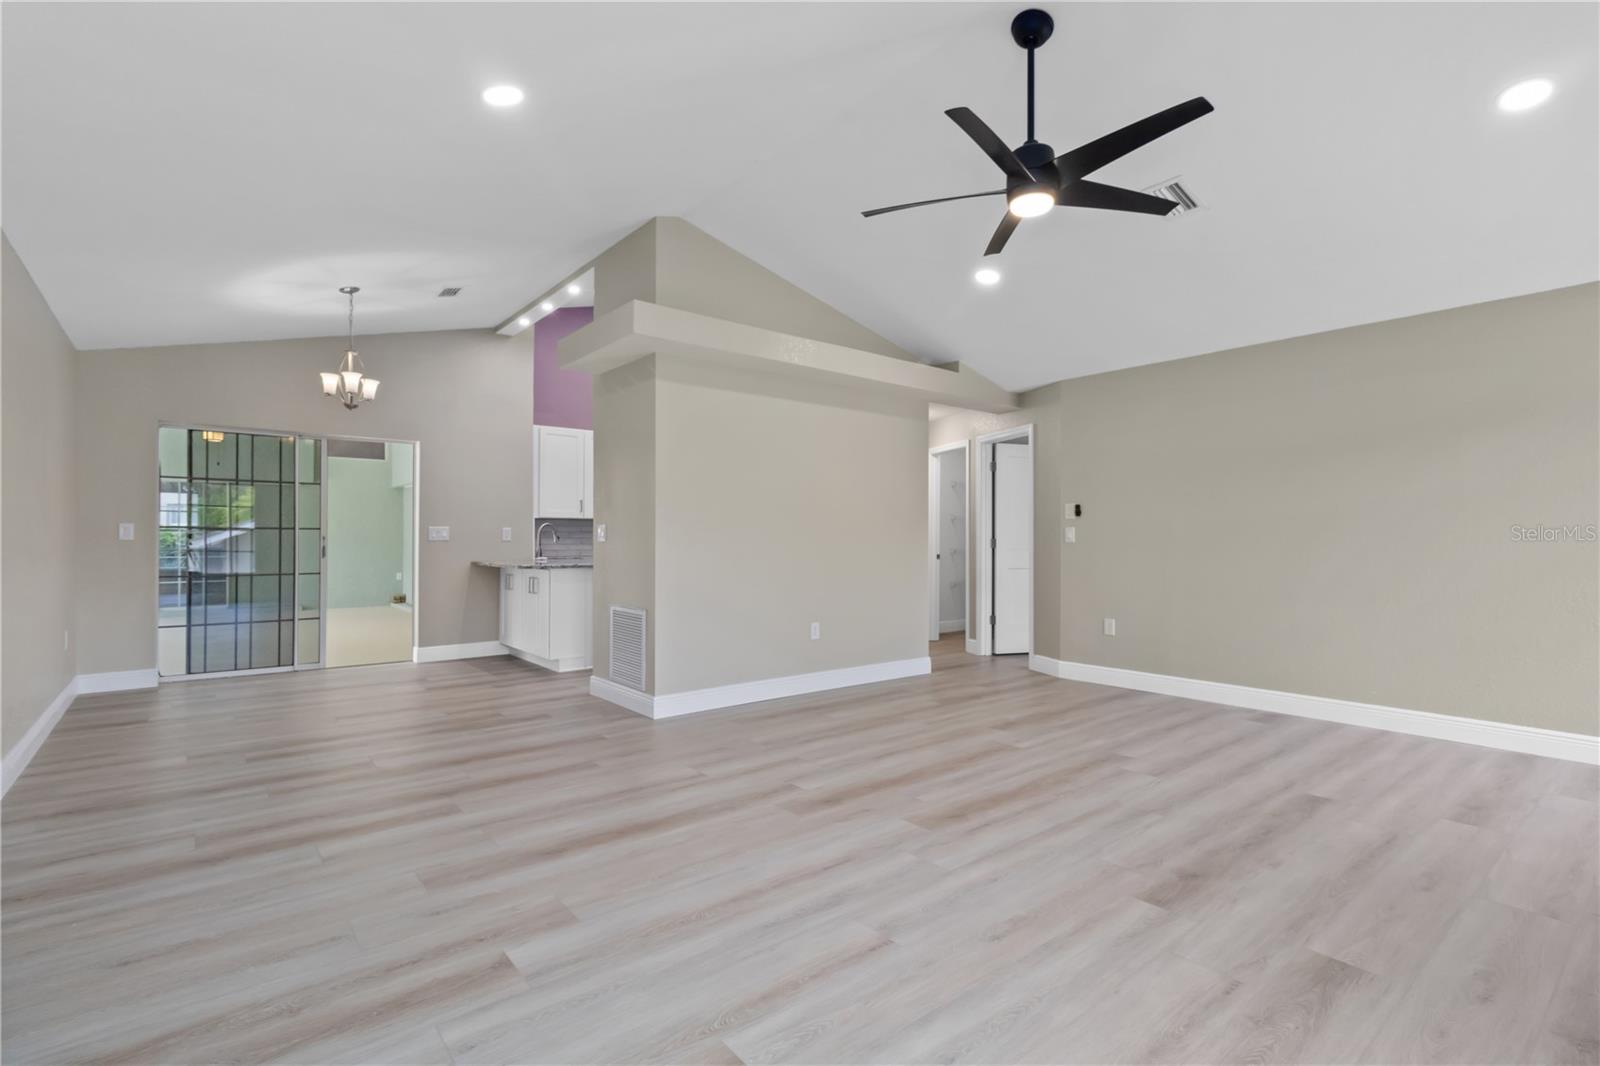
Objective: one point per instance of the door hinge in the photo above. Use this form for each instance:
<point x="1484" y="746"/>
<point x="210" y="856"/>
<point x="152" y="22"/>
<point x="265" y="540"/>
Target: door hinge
<point x="991" y="619"/>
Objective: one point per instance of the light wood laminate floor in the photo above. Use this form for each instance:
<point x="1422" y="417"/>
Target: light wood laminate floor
<point x="478" y="862"/>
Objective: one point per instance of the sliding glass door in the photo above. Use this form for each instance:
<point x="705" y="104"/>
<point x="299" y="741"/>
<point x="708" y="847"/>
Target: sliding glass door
<point x="240" y="552"/>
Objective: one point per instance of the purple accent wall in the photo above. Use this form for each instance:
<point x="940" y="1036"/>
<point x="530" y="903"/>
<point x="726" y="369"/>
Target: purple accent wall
<point x="560" y="397"/>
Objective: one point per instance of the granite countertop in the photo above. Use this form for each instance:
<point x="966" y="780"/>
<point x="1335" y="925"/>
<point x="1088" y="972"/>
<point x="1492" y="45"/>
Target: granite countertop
<point x="529" y="564"/>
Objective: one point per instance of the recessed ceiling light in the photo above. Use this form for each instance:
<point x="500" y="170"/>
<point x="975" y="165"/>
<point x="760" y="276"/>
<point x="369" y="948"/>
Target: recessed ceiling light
<point x="547" y="307"/>
<point x="1526" y="94"/>
<point x="573" y="290"/>
<point x="986" y="276"/>
<point x="524" y="321"/>
<point x="502" y="96"/>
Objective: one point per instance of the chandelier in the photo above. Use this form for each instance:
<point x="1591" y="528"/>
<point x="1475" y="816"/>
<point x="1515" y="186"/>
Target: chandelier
<point x="349" y="385"/>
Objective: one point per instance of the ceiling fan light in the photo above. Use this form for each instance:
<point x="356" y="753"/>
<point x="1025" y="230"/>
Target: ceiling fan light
<point x="1031" y="203"/>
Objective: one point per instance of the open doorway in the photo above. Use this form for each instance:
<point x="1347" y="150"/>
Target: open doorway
<point x="949" y="542"/>
<point x="370" y="571"/>
<point x="1005" y="537"/>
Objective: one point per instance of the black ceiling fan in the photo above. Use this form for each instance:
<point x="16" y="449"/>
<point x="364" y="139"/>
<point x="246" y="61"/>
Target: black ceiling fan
<point x="1036" y="178"/>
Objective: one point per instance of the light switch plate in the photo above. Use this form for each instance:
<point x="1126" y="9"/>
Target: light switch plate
<point x="505" y="533"/>
<point x="1111" y="627"/>
<point x="125" y="531"/>
<point x="438" y="532"/>
<point x="1072" y="534"/>
<point x="600" y="533"/>
<point x="816" y="630"/>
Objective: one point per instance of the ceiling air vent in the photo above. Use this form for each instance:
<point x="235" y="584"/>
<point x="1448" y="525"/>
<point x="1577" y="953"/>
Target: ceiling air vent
<point x="627" y="647"/>
<point x="453" y="290"/>
<point x="1175" y="192"/>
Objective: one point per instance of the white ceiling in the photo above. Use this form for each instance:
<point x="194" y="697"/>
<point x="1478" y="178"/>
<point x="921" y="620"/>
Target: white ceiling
<point x="207" y="172"/>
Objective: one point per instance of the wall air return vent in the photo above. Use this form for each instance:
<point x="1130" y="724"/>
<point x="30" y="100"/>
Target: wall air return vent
<point x="627" y="647"/>
<point x="1173" y="190"/>
<point x="453" y="290"/>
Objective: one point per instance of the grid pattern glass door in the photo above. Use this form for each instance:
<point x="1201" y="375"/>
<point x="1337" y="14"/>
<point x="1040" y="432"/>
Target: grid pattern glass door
<point x="227" y="547"/>
<point x="309" y="553"/>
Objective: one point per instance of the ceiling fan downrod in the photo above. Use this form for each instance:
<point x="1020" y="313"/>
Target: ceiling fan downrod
<point x="1031" y="29"/>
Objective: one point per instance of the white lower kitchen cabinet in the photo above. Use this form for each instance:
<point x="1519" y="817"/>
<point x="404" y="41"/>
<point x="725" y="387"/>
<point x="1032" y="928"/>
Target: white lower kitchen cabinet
<point x="545" y="615"/>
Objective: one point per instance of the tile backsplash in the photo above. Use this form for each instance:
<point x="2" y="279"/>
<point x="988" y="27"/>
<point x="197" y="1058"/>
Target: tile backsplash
<point x="577" y="540"/>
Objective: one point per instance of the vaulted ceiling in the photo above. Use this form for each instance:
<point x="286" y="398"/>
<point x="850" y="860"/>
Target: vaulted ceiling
<point x="178" y="173"/>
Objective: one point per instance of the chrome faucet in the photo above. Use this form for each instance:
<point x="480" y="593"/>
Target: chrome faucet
<point x="538" y="535"/>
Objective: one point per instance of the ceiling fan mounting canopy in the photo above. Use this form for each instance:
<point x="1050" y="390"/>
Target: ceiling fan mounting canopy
<point x="1031" y="28"/>
<point x="1036" y="178"/>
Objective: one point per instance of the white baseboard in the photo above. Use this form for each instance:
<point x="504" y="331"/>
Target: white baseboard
<point x="626" y="698"/>
<point x="559" y="666"/>
<point x="673" y="704"/>
<point x="953" y="627"/>
<point x="22" y="753"/>
<point x="117" y="681"/>
<point x="972" y="645"/>
<point x="438" y="653"/>
<point x="1551" y="743"/>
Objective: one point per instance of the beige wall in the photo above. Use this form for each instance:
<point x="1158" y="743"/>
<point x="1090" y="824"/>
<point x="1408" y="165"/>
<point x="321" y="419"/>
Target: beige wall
<point x="625" y="501"/>
<point x="466" y="396"/>
<point x="1333" y="514"/>
<point x="696" y="272"/>
<point x="673" y="263"/>
<point x="778" y="504"/>
<point x="626" y="271"/>
<point x="733" y="497"/>
<point x="38" y="454"/>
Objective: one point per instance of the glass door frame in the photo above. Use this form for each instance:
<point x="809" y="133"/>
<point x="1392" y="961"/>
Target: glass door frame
<point x="194" y="426"/>
<point x="415" y="518"/>
<point x="321" y="439"/>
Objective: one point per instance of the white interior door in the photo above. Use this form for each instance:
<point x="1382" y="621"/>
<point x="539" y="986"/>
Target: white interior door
<point x="1013" y="548"/>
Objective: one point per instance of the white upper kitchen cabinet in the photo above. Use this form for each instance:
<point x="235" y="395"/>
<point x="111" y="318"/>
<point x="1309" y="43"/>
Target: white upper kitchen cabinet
<point x="588" y="474"/>
<point x="563" y="474"/>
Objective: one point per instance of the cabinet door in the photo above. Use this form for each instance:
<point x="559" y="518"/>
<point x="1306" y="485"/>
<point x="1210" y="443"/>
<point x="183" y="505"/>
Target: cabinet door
<point x="519" y="609"/>
<point x="559" y="467"/>
<point x="570" y="613"/>
<point x="588" y="473"/>
<point x="537" y="586"/>
<point x="508" y="606"/>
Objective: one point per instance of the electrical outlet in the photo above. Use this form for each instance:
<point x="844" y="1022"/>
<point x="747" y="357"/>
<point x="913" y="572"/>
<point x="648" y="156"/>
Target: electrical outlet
<point x="1111" y="627"/>
<point x="505" y="533"/>
<point x="438" y="532"/>
<point x="600" y="533"/>
<point x="125" y="531"/>
<point x="816" y="630"/>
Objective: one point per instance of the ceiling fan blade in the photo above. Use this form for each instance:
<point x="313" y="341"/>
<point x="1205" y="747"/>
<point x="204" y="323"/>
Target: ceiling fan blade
<point x="1002" y="233"/>
<point x="1113" y="198"/>
<point x="924" y="203"/>
<point x="990" y="142"/>
<point x="1097" y="153"/>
